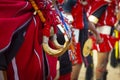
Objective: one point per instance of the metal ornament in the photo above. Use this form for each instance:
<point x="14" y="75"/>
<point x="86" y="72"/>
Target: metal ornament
<point x="87" y="48"/>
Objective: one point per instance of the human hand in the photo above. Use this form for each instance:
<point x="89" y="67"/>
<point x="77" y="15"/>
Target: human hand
<point x="99" y="39"/>
<point x="117" y="26"/>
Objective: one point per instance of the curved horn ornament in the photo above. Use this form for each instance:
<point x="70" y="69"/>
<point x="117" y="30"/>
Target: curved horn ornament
<point x="60" y="49"/>
<point x="54" y="39"/>
<point x="54" y="52"/>
<point x="56" y="43"/>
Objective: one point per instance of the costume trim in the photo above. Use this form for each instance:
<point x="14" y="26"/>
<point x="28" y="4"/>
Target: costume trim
<point x="93" y="19"/>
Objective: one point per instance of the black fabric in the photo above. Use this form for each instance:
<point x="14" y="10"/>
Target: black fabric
<point x="83" y="34"/>
<point x="100" y="11"/>
<point x="113" y="60"/>
<point x="60" y="37"/>
<point x="85" y="19"/>
<point x="7" y="55"/>
<point x="83" y="37"/>
<point x="67" y="6"/>
<point x="105" y="75"/>
<point x="119" y="60"/>
<point x="89" y="68"/>
<point x="45" y="65"/>
<point x="65" y="63"/>
<point x="119" y="22"/>
<point x="89" y="73"/>
<point x="3" y="62"/>
<point x="112" y="31"/>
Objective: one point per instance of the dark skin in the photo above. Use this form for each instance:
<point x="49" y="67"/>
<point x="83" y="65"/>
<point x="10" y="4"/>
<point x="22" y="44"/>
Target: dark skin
<point x="93" y="29"/>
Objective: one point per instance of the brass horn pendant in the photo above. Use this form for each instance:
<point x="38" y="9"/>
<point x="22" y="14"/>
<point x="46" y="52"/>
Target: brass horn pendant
<point x="87" y="48"/>
<point x="60" y="49"/>
<point x="54" y="39"/>
<point x="55" y="42"/>
<point x="54" y="52"/>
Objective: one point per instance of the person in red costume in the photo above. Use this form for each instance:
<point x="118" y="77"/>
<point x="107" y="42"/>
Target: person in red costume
<point x="102" y="14"/>
<point x="22" y="29"/>
<point x="115" y="58"/>
<point x="81" y="26"/>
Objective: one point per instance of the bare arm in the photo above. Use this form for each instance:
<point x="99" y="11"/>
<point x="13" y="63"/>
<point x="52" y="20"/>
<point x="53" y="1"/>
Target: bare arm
<point x="93" y="29"/>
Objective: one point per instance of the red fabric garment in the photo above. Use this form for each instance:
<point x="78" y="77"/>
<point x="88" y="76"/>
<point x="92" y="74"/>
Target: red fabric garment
<point x="77" y="13"/>
<point x="28" y="64"/>
<point x="7" y="27"/>
<point x="79" y="56"/>
<point x="88" y="6"/>
<point x="29" y="59"/>
<point x="52" y="19"/>
<point x="75" y="56"/>
<point x="108" y="18"/>
<point x="52" y="62"/>
<point x="96" y="4"/>
<point x="119" y="35"/>
<point x="60" y="1"/>
<point x="107" y="44"/>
